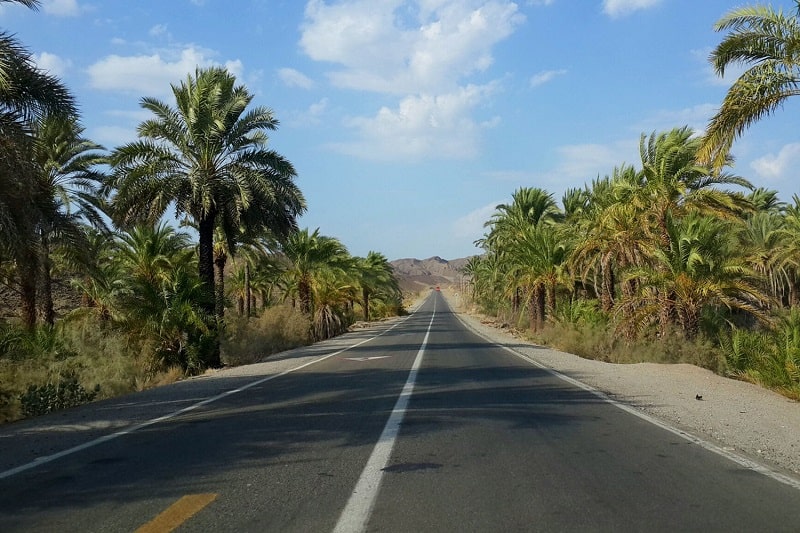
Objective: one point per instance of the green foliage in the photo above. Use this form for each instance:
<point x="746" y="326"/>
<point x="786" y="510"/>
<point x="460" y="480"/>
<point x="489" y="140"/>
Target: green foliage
<point x="66" y="392"/>
<point x="580" y="313"/>
<point x="770" y="358"/>
<point x="20" y="344"/>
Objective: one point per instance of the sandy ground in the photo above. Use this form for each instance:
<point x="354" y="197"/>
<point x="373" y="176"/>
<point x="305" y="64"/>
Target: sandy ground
<point x="738" y="417"/>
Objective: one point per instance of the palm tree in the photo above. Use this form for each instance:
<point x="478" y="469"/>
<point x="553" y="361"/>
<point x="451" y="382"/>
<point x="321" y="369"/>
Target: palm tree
<point x="66" y="164"/>
<point x="606" y="233"/>
<point x="536" y="262"/>
<point x="158" y="293"/>
<point x="25" y="94"/>
<point x="530" y="207"/>
<point x="375" y="276"/>
<point x="207" y="157"/>
<point x="672" y="183"/>
<point x="766" y="40"/>
<point x="701" y="267"/>
<point x="148" y="253"/>
<point x="309" y="256"/>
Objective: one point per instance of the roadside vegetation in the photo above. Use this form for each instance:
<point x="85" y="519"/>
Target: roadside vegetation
<point x="675" y="259"/>
<point x="234" y="281"/>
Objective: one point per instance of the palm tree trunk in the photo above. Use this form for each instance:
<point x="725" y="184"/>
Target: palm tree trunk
<point x="205" y="261"/>
<point x="690" y="322"/>
<point x="551" y="299"/>
<point x="219" y="300"/>
<point x="206" y="271"/>
<point x="539" y="291"/>
<point x="304" y="294"/>
<point x="48" y="313"/>
<point x="536" y="304"/>
<point x="28" y="269"/>
<point x="794" y="294"/>
<point x="607" y="285"/>
<point x="247" y="292"/>
<point x="666" y="313"/>
<point x="365" y="295"/>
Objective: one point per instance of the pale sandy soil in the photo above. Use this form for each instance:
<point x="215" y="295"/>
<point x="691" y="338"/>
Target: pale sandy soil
<point x="739" y="417"/>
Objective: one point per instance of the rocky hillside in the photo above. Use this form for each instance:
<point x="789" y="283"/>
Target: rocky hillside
<point x="419" y="274"/>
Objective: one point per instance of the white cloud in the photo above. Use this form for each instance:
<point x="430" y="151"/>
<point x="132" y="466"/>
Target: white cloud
<point x="151" y="75"/>
<point x="779" y="167"/>
<point x="422" y="52"/>
<point x="52" y="64"/>
<point x="294" y="78"/>
<point x="470" y="226"/>
<point x="582" y="163"/>
<point x="318" y="108"/>
<point x="401" y="47"/>
<point x="422" y="126"/>
<point x="158" y="30"/>
<point x="696" y="117"/>
<point x="545" y="76"/>
<point x="579" y="164"/>
<point x="61" y="8"/>
<point x="620" y="8"/>
<point x="311" y="116"/>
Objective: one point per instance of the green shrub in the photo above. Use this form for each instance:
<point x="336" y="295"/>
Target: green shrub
<point x="770" y="358"/>
<point x="67" y="392"/>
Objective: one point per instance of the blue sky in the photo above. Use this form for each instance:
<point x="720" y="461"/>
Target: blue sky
<point x="409" y="120"/>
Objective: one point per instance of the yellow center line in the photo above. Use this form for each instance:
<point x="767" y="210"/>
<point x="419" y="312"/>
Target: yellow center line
<point x="177" y="513"/>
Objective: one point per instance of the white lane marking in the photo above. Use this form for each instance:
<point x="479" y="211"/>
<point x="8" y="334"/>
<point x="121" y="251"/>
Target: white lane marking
<point x="710" y="446"/>
<point x="359" y="507"/>
<point x="105" y="438"/>
<point x="362" y="359"/>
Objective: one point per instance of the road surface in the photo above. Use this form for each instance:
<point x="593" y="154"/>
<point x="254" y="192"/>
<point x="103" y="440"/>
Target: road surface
<point x="416" y="425"/>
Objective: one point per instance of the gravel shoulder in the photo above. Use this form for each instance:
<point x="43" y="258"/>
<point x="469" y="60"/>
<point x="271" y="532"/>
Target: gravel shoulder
<point x="736" y="416"/>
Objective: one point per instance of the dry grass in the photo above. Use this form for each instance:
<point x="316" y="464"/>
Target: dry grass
<point x="119" y="363"/>
<point x="278" y="328"/>
<point x="604" y="344"/>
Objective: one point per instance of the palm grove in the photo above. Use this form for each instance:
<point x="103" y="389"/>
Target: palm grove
<point x="676" y="259"/>
<point x="153" y="298"/>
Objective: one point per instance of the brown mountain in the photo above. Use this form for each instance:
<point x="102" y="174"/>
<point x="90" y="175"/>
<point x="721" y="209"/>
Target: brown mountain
<point x="416" y="275"/>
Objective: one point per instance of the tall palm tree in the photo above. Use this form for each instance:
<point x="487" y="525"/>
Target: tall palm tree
<point x="766" y="40"/>
<point x="67" y="173"/>
<point x="208" y="158"/>
<point x="25" y="94"/>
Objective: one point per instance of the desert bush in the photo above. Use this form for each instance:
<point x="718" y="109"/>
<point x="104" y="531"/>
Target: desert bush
<point x="601" y="342"/>
<point x="52" y="396"/>
<point x="277" y="329"/>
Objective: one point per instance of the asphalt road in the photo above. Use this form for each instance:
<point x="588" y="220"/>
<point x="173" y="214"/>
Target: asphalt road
<point x="474" y="438"/>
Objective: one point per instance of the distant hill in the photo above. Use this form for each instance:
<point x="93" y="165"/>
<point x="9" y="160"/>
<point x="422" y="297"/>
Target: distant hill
<point x="416" y="275"/>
